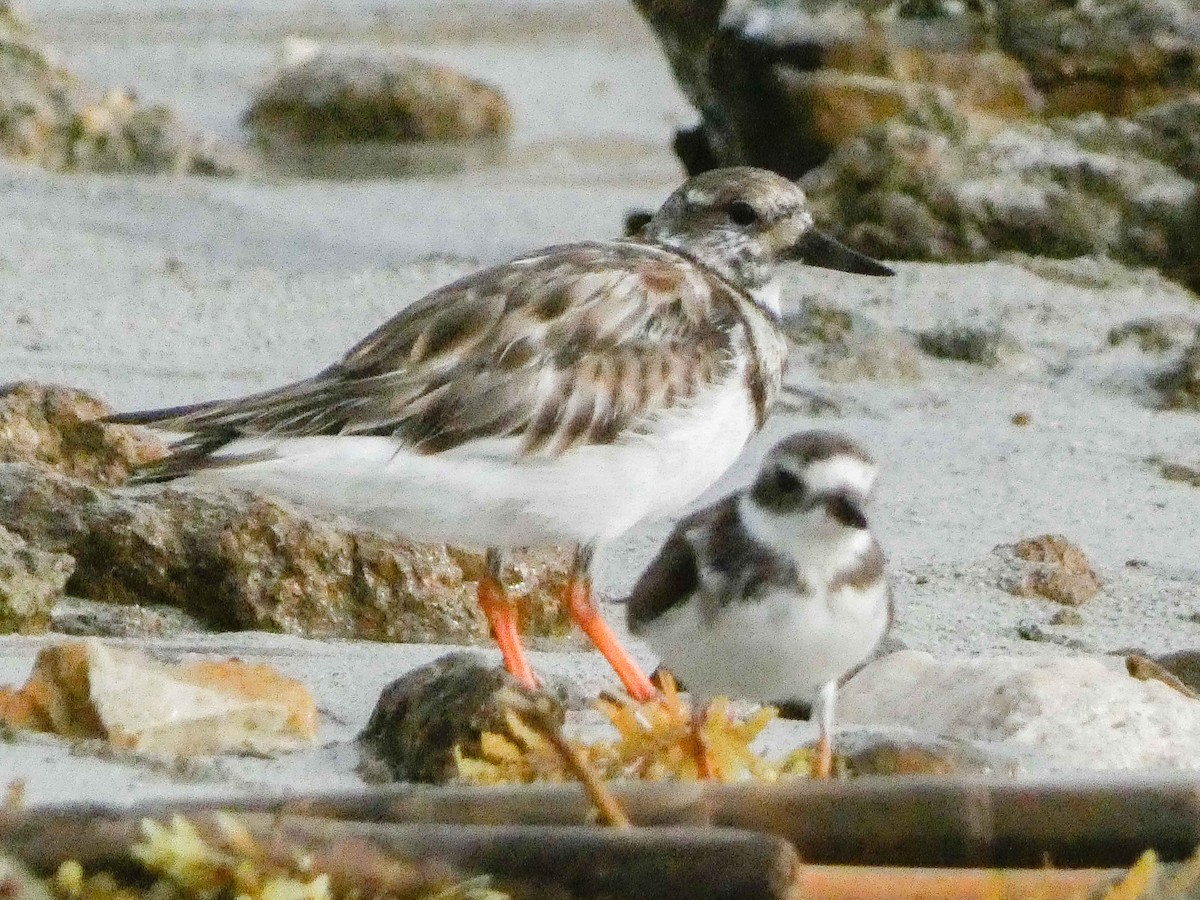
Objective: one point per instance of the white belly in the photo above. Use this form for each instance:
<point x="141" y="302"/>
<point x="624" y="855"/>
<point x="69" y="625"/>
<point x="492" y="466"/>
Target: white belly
<point x="483" y="495"/>
<point x="781" y="647"/>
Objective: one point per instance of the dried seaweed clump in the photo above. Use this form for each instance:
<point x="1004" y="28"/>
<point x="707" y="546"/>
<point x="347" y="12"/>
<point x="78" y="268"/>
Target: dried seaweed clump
<point x="232" y="862"/>
<point x="1148" y="879"/>
<point x="655" y="741"/>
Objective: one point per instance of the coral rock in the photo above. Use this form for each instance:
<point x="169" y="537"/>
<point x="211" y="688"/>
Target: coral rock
<point x="1060" y="572"/>
<point x="31" y="580"/>
<point x="238" y="561"/>
<point x="328" y="97"/>
<point x="49" y="117"/>
<point x="89" y="690"/>
<point x="59" y="427"/>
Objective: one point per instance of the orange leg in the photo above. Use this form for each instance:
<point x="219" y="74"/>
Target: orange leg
<point x="502" y="616"/>
<point x="585" y="614"/>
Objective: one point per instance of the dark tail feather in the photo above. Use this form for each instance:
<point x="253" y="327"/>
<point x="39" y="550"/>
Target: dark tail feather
<point x="165" y="416"/>
<point x="215" y="414"/>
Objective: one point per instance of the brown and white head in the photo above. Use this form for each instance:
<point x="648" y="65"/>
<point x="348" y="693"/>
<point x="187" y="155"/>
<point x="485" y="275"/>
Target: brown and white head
<point x="809" y="501"/>
<point x="743" y="222"/>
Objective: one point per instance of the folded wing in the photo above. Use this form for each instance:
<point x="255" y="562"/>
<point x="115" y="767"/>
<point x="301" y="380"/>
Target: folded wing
<point x="581" y="344"/>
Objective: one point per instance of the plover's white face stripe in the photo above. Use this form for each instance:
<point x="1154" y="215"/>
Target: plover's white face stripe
<point x="819" y="546"/>
<point x="840" y="473"/>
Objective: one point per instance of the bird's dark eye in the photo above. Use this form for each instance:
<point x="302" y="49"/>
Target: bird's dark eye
<point x="742" y="213"/>
<point x="787" y="483"/>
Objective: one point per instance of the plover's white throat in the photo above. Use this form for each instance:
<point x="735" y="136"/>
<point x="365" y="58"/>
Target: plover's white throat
<point x="560" y="397"/>
<point x="777" y="591"/>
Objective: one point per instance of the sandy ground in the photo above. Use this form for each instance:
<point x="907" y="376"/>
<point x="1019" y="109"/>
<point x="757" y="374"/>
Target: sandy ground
<point x="152" y="291"/>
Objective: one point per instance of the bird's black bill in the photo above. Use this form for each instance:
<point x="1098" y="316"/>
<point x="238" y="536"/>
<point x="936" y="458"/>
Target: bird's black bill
<point x="846" y="511"/>
<point x="819" y="249"/>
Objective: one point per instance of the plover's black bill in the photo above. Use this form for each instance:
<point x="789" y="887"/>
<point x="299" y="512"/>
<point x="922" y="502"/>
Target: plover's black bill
<point x="846" y="511"/>
<point x="817" y="248"/>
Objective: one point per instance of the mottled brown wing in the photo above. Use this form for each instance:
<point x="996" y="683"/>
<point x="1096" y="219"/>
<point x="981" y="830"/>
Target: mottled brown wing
<point x="576" y="345"/>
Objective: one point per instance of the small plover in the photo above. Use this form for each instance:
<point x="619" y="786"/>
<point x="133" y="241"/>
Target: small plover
<point x="560" y="397"/>
<point x="778" y="590"/>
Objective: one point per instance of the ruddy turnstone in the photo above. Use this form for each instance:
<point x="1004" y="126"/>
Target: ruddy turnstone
<point x="776" y="591"/>
<point x="560" y="397"/>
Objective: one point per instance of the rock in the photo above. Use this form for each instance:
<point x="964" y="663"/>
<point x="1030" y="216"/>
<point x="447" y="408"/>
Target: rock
<point x="1112" y="56"/>
<point x="1056" y="714"/>
<point x="933" y="187"/>
<point x="50" y="118"/>
<point x="1170" y="133"/>
<point x="1067" y="616"/>
<point x="59" y="427"/>
<point x="234" y="561"/>
<point x="1145" y="669"/>
<point x="867" y="754"/>
<point x="422" y="720"/>
<point x="819" y="323"/>
<point x="1059" y="571"/>
<point x="1038" y="633"/>
<point x="1173" y="471"/>
<point x="90" y="618"/>
<point x="781" y="84"/>
<point x="963" y="343"/>
<point x="876" y="354"/>
<point x="1165" y="133"/>
<point x="90" y="690"/>
<point x="1155" y="335"/>
<point x="322" y="96"/>
<point x="1184" y="665"/>
<point x="778" y="83"/>
<point x="858" y="90"/>
<point x="848" y="345"/>
<point x="31" y="580"/>
<point x="1179" y="384"/>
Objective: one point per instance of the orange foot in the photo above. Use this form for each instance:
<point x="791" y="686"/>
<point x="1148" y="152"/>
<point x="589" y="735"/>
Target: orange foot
<point x="502" y="616"/>
<point x="584" y="612"/>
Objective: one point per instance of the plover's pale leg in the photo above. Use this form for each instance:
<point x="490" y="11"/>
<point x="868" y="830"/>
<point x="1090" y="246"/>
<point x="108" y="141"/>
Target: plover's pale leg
<point x="583" y="611"/>
<point x="823" y="764"/>
<point x="502" y="616"/>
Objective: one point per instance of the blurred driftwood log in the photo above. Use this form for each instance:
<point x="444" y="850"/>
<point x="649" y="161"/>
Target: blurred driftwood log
<point x="903" y="821"/>
<point x="530" y="861"/>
